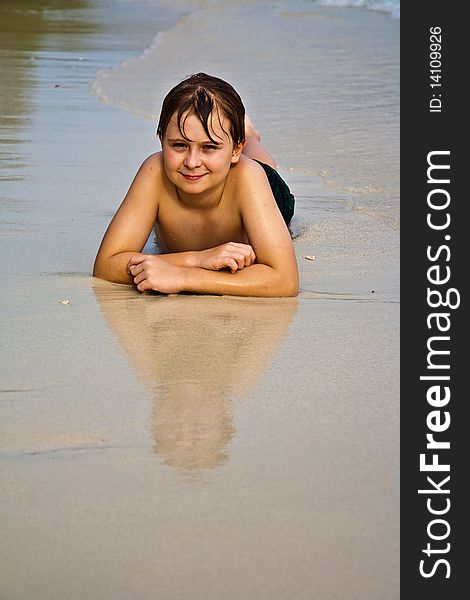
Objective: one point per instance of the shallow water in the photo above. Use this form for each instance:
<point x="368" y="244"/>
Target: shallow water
<point x="321" y="83"/>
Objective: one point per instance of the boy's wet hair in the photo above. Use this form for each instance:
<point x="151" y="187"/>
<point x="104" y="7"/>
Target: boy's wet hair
<point x="200" y="94"/>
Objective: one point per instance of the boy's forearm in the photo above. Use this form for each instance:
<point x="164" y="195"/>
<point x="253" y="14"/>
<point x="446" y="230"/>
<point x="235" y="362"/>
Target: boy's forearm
<point x="181" y="259"/>
<point x="256" y="280"/>
<point x="114" y="268"/>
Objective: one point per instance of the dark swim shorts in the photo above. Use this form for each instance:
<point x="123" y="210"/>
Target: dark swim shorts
<point x="284" y="199"/>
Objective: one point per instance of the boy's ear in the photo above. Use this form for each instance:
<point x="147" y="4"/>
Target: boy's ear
<point x="236" y="153"/>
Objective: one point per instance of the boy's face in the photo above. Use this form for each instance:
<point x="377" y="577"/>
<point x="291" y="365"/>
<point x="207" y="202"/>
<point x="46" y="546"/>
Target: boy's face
<point x="198" y="165"/>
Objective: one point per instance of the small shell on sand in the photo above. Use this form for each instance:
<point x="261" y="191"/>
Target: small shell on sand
<point x="310" y="257"/>
<point x="64" y="301"/>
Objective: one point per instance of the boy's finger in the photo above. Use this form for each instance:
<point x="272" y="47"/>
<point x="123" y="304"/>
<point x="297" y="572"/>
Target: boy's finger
<point x="139" y="277"/>
<point x="143" y="286"/>
<point x="248" y="260"/>
<point x="240" y="260"/>
<point x="135" y="260"/>
<point x="136" y="269"/>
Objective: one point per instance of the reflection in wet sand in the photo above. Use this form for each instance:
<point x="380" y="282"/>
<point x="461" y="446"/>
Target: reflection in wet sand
<point x="31" y="31"/>
<point x="195" y="353"/>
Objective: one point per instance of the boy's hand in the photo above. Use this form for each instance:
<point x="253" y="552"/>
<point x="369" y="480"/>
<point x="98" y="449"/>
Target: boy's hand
<point x="233" y="255"/>
<point x="152" y="273"/>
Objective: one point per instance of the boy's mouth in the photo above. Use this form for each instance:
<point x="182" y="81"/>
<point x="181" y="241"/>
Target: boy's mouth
<point x="193" y="177"/>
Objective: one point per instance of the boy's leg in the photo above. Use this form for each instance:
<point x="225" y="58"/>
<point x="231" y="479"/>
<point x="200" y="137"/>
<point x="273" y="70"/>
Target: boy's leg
<point x="253" y="147"/>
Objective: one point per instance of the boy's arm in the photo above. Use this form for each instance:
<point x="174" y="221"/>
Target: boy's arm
<point x="131" y="225"/>
<point x="181" y="259"/>
<point x="257" y="280"/>
<point x="233" y="255"/>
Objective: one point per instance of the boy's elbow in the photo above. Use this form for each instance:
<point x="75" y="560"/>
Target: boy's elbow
<point x="285" y="284"/>
<point x="99" y="270"/>
<point x="292" y="292"/>
<point x="104" y="268"/>
<point x="293" y="282"/>
<point x="289" y="287"/>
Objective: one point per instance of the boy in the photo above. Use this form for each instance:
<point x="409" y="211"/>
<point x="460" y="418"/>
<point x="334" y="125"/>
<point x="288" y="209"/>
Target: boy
<point x="208" y="195"/>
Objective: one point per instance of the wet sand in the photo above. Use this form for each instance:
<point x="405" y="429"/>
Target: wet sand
<point x="184" y="446"/>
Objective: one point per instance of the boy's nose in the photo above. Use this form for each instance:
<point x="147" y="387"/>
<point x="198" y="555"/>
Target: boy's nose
<point x="193" y="159"/>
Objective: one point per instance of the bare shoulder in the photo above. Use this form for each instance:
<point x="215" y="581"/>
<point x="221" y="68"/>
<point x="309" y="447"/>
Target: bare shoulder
<point x="252" y="186"/>
<point x="152" y="165"/>
<point x="248" y="171"/>
<point x="149" y="182"/>
<point x="145" y="189"/>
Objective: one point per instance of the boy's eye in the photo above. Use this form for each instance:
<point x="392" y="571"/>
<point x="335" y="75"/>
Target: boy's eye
<point x="183" y="145"/>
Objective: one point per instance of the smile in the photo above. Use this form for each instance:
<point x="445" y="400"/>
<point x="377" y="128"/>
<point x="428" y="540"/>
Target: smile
<point x="193" y="177"/>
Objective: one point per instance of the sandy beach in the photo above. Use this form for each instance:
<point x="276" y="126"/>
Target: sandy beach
<point x="190" y="447"/>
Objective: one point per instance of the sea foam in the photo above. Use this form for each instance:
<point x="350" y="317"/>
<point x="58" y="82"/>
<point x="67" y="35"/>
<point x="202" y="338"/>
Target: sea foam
<point x="389" y="6"/>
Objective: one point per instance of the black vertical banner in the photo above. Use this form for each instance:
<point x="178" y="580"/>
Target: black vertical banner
<point x="434" y="270"/>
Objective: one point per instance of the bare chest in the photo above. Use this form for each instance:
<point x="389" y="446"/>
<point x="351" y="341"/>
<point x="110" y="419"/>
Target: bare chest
<point x="181" y="229"/>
